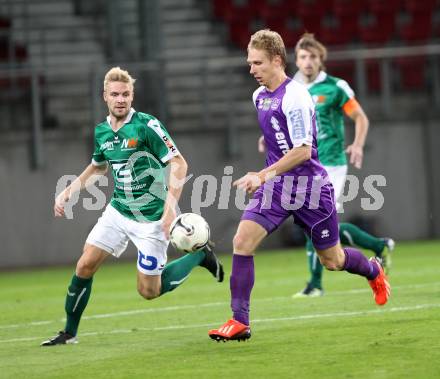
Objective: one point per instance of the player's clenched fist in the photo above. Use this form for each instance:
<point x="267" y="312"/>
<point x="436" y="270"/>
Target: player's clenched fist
<point x="60" y="202"/>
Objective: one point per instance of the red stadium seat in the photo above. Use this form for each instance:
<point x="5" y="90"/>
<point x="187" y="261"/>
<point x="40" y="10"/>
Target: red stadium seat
<point x="231" y="10"/>
<point x="220" y="6"/>
<point x="5" y="23"/>
<point x="351" y="8"/>
<point x="419" y="29"/>
<point x="348" y="14"/>
<point x="419" y="6"/>
<point x="290" y="35"/>
<point x="240" y="33"/>
<point x="19" y="51"/>
<point x="276" y="23"/>
<point x="311" y="12"/>
<point x="273" y="9"/>
<point x="373" y="76"/>
<point x="412" y="72"/>
<point x="380" y="30"/>
<point x="381" y="6"/>
<point x="334" y="36"/>
<point x="343" y="70"/>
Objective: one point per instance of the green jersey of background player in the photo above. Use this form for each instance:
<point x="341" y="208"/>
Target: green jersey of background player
<point x="137" y="148"/>
<point x="333" y="97"/>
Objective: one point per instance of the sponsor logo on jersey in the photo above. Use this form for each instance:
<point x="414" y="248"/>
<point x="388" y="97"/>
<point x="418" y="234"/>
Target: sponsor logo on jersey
<point x="319" y="99"/>
<point x="280" y="136"/>
<point x="299" y="130"/>
<point x="129" y="143"/>
<point x="275" y="124"/>
<point x="169" y="144"/>
<point x="107" y="146"/>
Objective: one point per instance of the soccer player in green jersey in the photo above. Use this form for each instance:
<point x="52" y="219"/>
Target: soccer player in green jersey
<point x="333" y="98"/>
<point x="137" y="148"/>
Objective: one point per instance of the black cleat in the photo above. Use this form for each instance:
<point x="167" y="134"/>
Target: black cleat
<point x="62" y="338"/>
<point x="241" y="337"/>
<point x="212" y="264"/>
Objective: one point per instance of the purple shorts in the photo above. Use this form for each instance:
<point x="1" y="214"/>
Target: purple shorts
<point x="315" y="214"/>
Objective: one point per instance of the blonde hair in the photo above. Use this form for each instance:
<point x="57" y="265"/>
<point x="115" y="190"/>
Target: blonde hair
<point x="307" y="42"/>
<point x="271" y="42"/>
<point x="116" y="74"/>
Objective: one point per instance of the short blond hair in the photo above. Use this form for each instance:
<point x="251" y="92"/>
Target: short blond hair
<point x="271" y="42"/>
<point x="307" y="42"/>
<point x="116" y="74"/>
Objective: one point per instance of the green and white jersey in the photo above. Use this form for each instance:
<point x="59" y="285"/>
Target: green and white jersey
<point x="329" y="94"/>
<point x="137" y="154"/>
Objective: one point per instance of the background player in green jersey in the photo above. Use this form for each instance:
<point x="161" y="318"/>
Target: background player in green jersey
<point x="333" y="98"/>
<point x="137" y="148"/>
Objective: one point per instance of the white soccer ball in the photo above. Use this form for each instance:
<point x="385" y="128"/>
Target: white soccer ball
<point x="189" y="232"/>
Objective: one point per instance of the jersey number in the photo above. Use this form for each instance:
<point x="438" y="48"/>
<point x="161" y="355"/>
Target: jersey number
<point x="122" y="173"/>
<point x="147" y="262"/>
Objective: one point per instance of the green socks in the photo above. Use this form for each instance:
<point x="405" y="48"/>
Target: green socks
<point x="78" y="293"/>
<point x="353" y="236"/>
<point x="77" y="298"/>
<point x="315" y="266"/>
<point x="176" y="272"/>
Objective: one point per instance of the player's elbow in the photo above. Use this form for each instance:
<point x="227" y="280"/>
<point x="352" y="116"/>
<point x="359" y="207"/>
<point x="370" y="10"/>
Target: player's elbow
<point x="366" y="122"/>
<point x="180" y="163"/>
<point x="103" y="169"/>
<point x="100" y="170"/>
<point x="184" y="164"/>
<point x="362" y="120"/>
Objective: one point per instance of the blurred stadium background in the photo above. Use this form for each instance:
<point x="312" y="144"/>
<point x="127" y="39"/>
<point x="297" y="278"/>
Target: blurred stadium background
<point x="189" y="60"/>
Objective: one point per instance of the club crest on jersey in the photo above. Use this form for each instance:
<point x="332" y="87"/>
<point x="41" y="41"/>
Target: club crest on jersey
<point x="264" y="104"/>
<point x="275" y="103"/>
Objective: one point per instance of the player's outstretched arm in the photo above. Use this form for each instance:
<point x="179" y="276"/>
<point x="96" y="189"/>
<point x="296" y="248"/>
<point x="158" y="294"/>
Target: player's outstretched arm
<point x="77" y="185"/>
<point x="252" y="180"/>
<point x="356" y="149"/>
<point x="178" y="170"/>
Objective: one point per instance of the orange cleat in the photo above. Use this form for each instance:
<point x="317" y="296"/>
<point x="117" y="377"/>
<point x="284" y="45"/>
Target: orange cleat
<point x="231" y="330"/>
<point x="380" y="286"/>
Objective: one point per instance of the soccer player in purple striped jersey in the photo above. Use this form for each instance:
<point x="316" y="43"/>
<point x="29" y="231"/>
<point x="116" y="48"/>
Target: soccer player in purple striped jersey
<point x="292" y="183"/>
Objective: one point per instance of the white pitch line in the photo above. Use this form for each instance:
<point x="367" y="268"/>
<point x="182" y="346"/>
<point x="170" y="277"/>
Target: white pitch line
<point x="194" y="306"/>
<point x="279" y="319"/>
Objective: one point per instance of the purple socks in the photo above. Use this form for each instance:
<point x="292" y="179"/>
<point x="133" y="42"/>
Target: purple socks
<point x="357" y="263"/>
<point x="241" y="283"/>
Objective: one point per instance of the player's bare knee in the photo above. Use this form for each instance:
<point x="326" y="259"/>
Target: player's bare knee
<point x="330" y="263"/>
<point x="148" y="293"/>
<point x="240" y="242"/>
<point x="331" y="266"/>
<point x="85" y="268"/>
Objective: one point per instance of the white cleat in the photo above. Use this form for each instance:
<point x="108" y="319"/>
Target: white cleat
<point x="386" y="254"/>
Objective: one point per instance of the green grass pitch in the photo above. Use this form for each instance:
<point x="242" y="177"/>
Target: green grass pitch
<point x="340" y="335"/>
